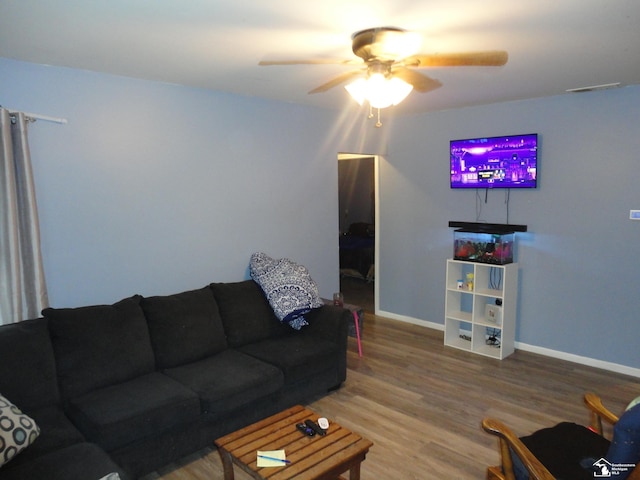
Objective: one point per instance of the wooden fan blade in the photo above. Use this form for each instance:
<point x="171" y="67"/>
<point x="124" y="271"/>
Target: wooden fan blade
<point x="313" y="61"/>
<point x="336" y="81"/>
<point x="492" y="58"/>
<point x="421" y="83"/>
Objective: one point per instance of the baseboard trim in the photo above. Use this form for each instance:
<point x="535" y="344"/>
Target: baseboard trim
<point x="547" y="352"/>
<point x="587" y="361"/>
<point x="415" y="321"/>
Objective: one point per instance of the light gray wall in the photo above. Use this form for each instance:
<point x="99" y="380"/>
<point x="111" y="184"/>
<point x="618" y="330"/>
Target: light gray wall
<point x="579" y="261"/>
<point x="154" y="188"/>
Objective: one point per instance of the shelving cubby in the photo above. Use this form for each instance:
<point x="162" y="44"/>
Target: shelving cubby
<point x="468" y="325"/>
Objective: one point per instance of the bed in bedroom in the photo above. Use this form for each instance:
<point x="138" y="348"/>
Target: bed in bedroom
<point x="357" y="248"/>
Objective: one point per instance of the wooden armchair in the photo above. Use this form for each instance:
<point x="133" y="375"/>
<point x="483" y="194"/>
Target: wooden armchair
<point x="509" y="442"/>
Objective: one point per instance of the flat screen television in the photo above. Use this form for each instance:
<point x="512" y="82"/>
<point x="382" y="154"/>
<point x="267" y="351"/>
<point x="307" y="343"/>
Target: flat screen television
<point x="510" y="161"/>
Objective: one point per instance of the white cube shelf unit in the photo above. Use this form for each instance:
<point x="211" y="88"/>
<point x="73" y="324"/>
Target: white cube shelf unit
<point x="481" y="320"/>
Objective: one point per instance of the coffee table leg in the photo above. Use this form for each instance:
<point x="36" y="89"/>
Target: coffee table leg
<point x="354" y="472"/>
<point x="227" y="464"/>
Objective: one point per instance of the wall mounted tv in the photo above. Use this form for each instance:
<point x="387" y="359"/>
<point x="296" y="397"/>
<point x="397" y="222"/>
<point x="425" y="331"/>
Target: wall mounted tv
<point x="510" y="161"/>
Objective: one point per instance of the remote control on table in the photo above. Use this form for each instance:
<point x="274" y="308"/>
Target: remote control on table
<point x="313" y="425"/>
<point x="305" y="429"/>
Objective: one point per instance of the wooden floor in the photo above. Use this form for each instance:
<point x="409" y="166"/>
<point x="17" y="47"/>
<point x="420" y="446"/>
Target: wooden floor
<point x="421" y="404"/>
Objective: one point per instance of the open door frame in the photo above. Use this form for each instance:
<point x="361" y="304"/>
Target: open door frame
<point x="376" y="255"/>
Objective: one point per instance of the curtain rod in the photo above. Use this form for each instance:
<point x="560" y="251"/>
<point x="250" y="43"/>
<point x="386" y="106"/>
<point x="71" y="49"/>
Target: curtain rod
<point x="37" y="116"/>
<point x="45" y="118"/>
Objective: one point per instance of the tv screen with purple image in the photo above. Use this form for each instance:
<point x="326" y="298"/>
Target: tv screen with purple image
<point x="510" y="161"/>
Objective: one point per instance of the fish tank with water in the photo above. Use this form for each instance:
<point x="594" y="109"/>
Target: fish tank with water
<point x="484" y="247"/>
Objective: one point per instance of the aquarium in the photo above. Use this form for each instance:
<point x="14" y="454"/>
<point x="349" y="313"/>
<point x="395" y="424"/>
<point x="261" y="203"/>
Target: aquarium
<point x="485" y="247"/>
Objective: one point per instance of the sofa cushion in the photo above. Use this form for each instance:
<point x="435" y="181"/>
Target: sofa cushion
<point x="184" y="327"/>
<point x="82" y="461"/>
<point x="147" y="405"/>
<point x="228" y="380"/>
<point x="17" y="430"/>
<point x="99" y="345"/>
<point x="34" y="383"/>
<point x="246" y="313"/>
<point x="56" y="432"/>
<point x="298" y="356"/>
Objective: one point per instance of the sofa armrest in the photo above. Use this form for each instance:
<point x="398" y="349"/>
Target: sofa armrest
<point x="329" y="322"/>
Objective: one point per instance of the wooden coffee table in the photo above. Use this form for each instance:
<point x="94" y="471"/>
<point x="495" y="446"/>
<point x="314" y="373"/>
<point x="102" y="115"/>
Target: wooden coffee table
<point x="318" y="457"/>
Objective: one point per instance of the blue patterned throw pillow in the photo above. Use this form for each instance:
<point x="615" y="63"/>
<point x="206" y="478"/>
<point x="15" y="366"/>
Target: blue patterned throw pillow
<point x="289" y="288"/>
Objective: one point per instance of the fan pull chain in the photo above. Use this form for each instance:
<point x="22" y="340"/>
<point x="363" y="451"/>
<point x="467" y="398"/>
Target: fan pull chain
<point x="378" y="123"/>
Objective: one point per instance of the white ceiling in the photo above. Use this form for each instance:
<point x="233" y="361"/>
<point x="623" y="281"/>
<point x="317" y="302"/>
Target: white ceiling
<point x="553" y="45"/>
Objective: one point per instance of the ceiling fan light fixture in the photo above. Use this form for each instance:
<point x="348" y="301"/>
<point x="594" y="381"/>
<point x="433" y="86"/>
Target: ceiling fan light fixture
<point x="379" y="91"/>
<point x="390" y="55"/>
<point x="399" y="90"/>
<point x="358" y="90"/>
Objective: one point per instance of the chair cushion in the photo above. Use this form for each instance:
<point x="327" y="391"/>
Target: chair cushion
<point x="119" y="414"/>
<point x="228" y="380"/>
<point x="33" y="384"/>
<point x="562" y="449"/>
<point x="184" y="327"/>
<point x="82" y="461"/>
<point x="99" y="345"/>
<point x="246" y="313"/>
<point x="17" y="430"/>
<point x="297" y="355"/>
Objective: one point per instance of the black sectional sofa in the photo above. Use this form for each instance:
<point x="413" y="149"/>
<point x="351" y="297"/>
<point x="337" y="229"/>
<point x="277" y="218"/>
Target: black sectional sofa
<point x="133" y="386"/>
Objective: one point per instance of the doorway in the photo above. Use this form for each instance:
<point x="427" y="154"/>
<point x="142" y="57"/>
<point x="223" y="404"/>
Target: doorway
<point x="358" y="225"/>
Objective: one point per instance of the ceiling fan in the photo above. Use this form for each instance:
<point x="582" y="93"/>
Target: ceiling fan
<point x="391" y="55"/>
